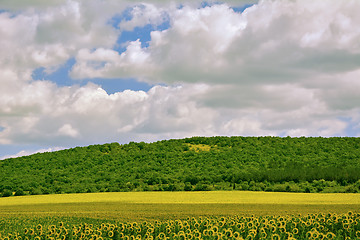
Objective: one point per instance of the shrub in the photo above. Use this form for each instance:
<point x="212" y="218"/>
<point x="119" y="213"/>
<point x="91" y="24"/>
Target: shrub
<point x="202" y="187"/>
<point x="36" y="191"/>
<point x="19" y="192"/>
<point x="188" y="186"/>
<point x="7" y="193"/>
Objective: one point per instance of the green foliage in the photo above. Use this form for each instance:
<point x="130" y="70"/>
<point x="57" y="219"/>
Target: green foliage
<point x="198" y="163"/>
<point x="7" y="193"/>
<point x="19" y="192"/>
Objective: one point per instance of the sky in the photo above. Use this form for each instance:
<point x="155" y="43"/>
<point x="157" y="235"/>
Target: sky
<point x="81" y="72"/>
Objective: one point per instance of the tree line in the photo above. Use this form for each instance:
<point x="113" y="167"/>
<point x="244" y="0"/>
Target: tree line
<point x="305" y="164"/>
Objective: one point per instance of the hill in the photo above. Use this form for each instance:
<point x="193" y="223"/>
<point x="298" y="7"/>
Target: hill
<point x="198" y="163"/>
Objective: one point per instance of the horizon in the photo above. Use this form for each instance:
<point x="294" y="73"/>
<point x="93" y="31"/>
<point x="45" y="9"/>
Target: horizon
<point x="28" y="153"/>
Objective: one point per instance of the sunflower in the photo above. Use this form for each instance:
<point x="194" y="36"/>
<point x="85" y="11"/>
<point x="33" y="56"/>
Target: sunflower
<point x="236" y="235"/>
<point x="346" y="226"/>
<point x="252" y="232"/>
<point x="330" y="235"/>
<point x="240" y="225"/>
<point x="249" y="237"/>
<point x="281" y="224"/>
<point x="264" y="221"/>
<point x="189" y="236"/>
<point x="110" y="233"/>
<point x="39" y="227"/>
<point x="250" y="225"/>
<point x="316" y="224"/>
<point x="197" y="234"/>
<point x="309" y="235"/>
<point x="275" y="237"/>
<point x="308" y="223"/>
<point x="228" y="233"/>
<point x="182" y="236"/>
<point x="273" y="228"/>
<point x="263" y="235"/>
<point x="315" y="234"/>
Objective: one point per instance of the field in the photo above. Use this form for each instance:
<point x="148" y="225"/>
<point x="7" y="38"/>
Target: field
<point x="18" y="213"/>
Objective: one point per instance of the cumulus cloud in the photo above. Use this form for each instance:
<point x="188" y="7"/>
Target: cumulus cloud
<point x="49" y="37"/>
<point x="270" y="42"/>
<point x="68" y="130"/>
<point x="284" y="56"/>
<point x="278" y="68"/>
<point x="144" y="14"/>
<point x="107" y="62"/>
<point x="88" y="113"/>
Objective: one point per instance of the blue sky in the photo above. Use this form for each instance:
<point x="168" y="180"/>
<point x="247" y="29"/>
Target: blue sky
<point x="74" y="74"/>
<point x="61" y="78"/>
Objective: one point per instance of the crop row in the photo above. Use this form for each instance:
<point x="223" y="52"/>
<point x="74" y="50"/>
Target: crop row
<point x="313" y="226"/>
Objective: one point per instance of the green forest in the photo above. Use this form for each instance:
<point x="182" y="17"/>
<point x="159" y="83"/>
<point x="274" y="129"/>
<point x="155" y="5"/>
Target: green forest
<point x="305" y="164"/>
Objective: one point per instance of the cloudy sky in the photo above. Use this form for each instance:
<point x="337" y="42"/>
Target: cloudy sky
<point x="81" y="72"/>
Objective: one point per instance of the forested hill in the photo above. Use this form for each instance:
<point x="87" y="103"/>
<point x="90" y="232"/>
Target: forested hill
<point x="198" y="163"/>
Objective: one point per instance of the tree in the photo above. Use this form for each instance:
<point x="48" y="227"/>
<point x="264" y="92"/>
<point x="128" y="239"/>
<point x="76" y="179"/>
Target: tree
<point x="19" y="192"/>
<point x="188" y="186"/>
<point x="7" y="193"/>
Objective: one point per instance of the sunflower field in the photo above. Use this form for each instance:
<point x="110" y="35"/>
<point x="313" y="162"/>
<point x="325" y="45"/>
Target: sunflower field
<point x="311" y="226"/>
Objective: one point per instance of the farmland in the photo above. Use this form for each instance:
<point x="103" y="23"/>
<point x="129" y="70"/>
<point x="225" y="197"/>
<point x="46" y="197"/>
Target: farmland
<point x="196" y="188"/>
<point x="23" y="212"/>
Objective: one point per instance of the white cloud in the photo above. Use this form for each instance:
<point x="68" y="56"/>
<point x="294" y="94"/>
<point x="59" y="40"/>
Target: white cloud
<point x="339" y="91"/>
<point x="107" y="62"/>
<point x="279" y="68"/>
<point x="88" y="113"/>
<point x="48" y="37"/>
<point x="271" y="42"/>
<point x="19" y="5"/>
<point x="270" y="57"/>
<point x="25" y="152"/>
<point x="144" y="14"/>
<point x="68" y="130"/>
